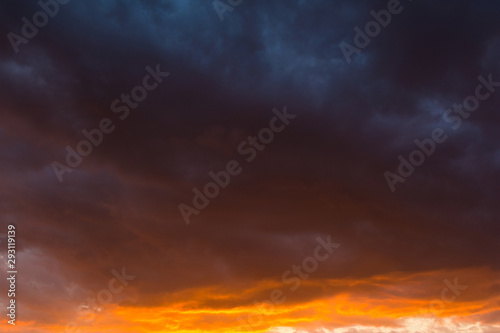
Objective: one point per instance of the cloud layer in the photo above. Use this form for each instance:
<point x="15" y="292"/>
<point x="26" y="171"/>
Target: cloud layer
<point x="323" y="175"/>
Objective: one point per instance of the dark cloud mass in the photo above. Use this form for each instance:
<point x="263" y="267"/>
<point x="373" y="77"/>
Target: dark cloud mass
<point x="322" y="175"/>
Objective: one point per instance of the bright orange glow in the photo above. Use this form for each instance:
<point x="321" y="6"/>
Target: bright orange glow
<point x="391" y="299"/>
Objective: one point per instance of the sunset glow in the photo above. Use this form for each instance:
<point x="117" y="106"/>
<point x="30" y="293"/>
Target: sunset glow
<point x="259" y="166"/>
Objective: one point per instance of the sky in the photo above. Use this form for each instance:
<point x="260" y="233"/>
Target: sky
<point x="250" y="166"/>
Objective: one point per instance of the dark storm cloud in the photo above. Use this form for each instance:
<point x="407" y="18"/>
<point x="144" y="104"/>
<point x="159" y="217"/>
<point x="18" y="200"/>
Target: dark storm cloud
<point x="323" y="175"/>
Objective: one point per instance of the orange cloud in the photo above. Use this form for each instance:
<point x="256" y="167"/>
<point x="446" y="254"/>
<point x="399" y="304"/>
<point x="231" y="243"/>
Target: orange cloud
<point x="392" y="301"/>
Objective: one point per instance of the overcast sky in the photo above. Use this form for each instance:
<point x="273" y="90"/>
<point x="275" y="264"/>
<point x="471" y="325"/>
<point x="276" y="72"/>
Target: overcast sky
<point x="352" y="114"/>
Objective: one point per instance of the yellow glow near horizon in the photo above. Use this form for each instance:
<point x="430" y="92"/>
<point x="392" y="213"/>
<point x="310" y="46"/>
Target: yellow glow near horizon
<point x="389" y="305"/>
